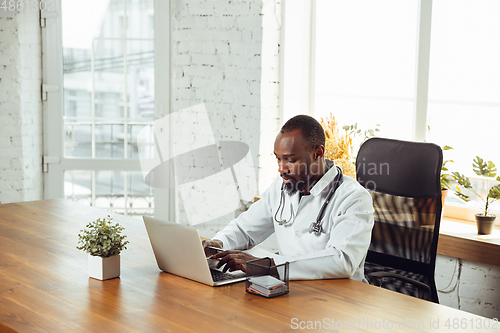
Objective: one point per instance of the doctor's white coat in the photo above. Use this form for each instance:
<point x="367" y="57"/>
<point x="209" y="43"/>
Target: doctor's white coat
<point x="338" y="252"/>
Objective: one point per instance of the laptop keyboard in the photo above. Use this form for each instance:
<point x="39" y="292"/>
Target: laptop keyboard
<point x="220" y="276"/>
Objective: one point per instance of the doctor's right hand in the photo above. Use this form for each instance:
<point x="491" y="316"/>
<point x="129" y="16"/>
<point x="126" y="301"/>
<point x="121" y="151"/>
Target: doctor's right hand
<point x="213" y="243"/>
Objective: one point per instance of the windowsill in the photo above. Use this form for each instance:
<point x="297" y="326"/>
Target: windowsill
<point x="458" y="237"/>
<point x="462" y="213"/>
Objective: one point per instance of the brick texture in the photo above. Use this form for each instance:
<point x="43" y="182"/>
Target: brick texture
<point x="219" y="57"/>
<point x="468" y="286"/>
<point x="20" y="107"/>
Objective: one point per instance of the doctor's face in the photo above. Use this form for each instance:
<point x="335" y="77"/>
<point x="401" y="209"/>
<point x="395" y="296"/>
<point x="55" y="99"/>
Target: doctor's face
<point x="294" y="160"/>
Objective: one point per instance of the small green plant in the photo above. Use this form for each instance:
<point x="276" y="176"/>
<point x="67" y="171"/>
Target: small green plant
<point x="101" y="238"/>
<point x="446" y="177"/>
<point x="353" y="129"/>
<point x="481" y="168"/>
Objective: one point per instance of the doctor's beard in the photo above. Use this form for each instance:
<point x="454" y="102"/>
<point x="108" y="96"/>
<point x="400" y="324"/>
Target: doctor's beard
<point x="294" y="186"/>
<point x="298" y="180"/>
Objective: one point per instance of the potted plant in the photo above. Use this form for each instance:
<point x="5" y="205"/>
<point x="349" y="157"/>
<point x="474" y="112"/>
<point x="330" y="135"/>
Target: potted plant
<point x="103" y="242"/>
<point x="484" y="220"/>
<point x="446" y="177"/>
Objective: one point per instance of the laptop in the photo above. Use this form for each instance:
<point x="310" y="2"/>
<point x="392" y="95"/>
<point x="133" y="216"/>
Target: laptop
<point x="178" y="250"/>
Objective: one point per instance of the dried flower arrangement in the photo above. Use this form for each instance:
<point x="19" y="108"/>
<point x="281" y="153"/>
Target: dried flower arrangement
<point x="339" y="148"/>
<point x="339" y="143"/>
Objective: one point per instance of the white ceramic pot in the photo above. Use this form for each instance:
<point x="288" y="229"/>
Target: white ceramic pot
<point x="104" y="268"/>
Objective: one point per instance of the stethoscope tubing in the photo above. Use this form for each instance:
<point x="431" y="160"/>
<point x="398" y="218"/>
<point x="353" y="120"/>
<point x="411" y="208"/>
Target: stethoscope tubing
<point x="315" y="226"/>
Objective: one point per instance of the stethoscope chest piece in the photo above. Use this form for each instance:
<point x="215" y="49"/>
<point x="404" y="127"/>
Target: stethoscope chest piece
<point x="315" y="228"/>
<point x="282" y="222"/>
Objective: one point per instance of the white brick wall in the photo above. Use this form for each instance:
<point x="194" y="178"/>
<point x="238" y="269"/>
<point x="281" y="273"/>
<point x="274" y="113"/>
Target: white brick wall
<point x="218" y="59"/>
<point x="20" y="107"/>
<point x="468" y="286"/>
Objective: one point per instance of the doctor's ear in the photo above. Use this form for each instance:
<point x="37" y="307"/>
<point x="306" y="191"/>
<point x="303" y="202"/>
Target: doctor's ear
<point x="319" y="152"/>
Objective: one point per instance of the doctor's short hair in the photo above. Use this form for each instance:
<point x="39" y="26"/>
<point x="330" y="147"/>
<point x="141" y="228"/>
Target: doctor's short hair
<point x="311" y="130"/>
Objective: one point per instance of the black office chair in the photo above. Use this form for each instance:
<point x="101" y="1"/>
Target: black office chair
<point x="403" y="179"/>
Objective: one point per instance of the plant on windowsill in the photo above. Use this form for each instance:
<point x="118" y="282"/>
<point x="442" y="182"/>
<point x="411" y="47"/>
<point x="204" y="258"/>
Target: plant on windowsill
<point x="446" y="177"/>
<point x="488" y="169"/>
<point x="103" y="242"/>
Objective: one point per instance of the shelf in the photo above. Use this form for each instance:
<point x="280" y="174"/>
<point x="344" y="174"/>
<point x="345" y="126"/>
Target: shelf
<point x="459" y="239"/>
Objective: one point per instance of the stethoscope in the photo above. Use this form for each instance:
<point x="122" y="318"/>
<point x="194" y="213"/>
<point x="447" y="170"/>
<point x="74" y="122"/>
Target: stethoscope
<point x="315" y="226"/>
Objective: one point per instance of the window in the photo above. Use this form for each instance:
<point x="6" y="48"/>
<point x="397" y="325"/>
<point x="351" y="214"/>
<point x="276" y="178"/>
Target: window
<point x="365" y="63"/>
<point x="106" y="74"/>
<point x="423" y="70"/>
<point x="464" y="83"/>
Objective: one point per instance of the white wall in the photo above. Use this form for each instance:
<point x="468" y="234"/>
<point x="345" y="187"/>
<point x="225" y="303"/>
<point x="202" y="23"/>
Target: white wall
<point x="20" y="107"/>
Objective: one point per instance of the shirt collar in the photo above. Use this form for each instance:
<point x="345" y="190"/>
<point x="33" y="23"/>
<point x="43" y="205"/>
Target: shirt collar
<point x="326" y="179"/>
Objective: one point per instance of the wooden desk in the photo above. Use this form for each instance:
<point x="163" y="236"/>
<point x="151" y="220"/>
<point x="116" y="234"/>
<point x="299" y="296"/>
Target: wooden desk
<point x="44" y="286"/>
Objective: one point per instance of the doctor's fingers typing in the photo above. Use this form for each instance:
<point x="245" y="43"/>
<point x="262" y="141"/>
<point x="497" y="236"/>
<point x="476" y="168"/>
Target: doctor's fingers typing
<point x="214" y="243"/>
<point x="233" y="260"/>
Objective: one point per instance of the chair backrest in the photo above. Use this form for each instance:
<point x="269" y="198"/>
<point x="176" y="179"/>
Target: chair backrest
<point x="400" y="168"/>
<point x="403" y="179"/>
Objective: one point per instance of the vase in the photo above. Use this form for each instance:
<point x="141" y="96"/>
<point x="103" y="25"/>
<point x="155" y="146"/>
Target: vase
<point x="485" y="223"/>
<point x="104" y="268"/>
<point x="444" y="194"/>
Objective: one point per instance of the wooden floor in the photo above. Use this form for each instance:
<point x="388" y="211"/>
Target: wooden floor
<point x="44" y="287"/>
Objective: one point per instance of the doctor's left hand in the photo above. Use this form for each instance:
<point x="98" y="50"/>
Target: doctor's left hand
<point x="233" y="260"/>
